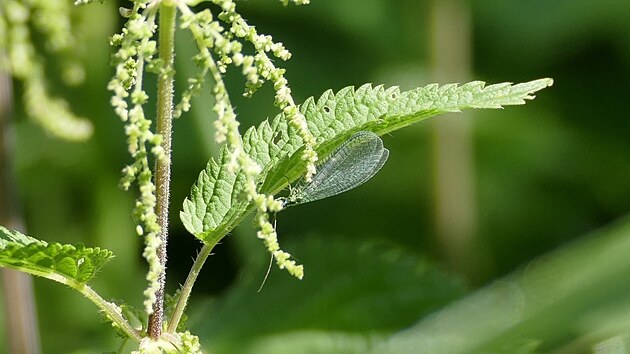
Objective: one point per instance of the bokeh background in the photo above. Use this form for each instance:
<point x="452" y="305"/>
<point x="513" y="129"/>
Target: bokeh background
<point x="538" y="179"/>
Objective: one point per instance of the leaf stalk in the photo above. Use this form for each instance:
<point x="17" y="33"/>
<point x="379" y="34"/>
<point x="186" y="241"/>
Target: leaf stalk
<point x="182" y="301"/>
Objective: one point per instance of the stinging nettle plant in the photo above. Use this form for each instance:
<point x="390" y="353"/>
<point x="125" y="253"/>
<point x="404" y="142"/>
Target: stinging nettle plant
<point x="250" y="169"/>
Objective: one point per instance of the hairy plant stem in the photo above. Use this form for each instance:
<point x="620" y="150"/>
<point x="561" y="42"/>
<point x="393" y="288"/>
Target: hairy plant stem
<point x="111" y="310"/>
<point x="163" y="166"/>
<point x="182" y="301"/>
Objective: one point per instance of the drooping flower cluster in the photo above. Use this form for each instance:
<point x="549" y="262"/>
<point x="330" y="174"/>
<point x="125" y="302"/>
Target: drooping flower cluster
<point x="220" y="46"/>
<point x="259" y="68"/>
<point x="267" y="233"/>
<point x="20" y="58"/>
<point x="135" y="52"/>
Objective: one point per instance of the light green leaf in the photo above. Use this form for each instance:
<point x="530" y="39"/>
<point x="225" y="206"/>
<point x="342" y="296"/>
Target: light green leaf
<point x="216" y="205"/>
<point x="63" y="263"/>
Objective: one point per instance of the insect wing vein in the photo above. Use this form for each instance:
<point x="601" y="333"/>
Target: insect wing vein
<point x="352" y="164"/>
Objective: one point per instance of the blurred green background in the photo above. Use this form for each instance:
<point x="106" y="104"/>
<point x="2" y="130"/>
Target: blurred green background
<point x="544" y="175"/>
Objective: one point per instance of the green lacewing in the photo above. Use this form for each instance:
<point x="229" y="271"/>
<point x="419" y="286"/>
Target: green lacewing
<point x="356" y="161"/>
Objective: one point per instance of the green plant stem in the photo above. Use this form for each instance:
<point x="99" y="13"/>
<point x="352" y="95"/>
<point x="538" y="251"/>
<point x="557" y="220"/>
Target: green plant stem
<point x="111" y="310"/>
<point x="180" y="307"/>
<point x="163" y="166"/>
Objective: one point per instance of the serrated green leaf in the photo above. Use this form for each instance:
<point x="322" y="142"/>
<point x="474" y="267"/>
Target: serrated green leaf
<point x="63" y="263"/>
<point x="10" y="236"/>
<point x="216" y="205"/>
<point x="214" y="198"/>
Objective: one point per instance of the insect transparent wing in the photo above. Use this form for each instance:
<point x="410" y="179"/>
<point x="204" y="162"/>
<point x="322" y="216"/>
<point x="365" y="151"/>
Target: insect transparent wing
<point x="352" y="164"/>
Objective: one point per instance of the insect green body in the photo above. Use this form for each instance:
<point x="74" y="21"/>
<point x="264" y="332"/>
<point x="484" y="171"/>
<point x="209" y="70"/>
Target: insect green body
<point x="356" y="161"/>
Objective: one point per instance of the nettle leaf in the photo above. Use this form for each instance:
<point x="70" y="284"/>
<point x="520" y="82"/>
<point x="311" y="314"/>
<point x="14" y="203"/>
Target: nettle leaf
<point x="216" y="203"/>
<point x="63" y="263"/>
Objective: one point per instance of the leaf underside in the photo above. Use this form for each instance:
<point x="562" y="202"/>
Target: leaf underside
<point x="216" y="203"/>
<point x="63" y="263"/>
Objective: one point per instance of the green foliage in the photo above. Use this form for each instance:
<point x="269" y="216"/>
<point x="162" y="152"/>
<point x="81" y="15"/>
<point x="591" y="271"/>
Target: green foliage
<point x="574" y="300"/>
<point x="233" y="186"/>
<point x="376" y="299"/>
<point x="216" y="204"/>
<point x="357" y="296"/>
<point x="63" y="263"/>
